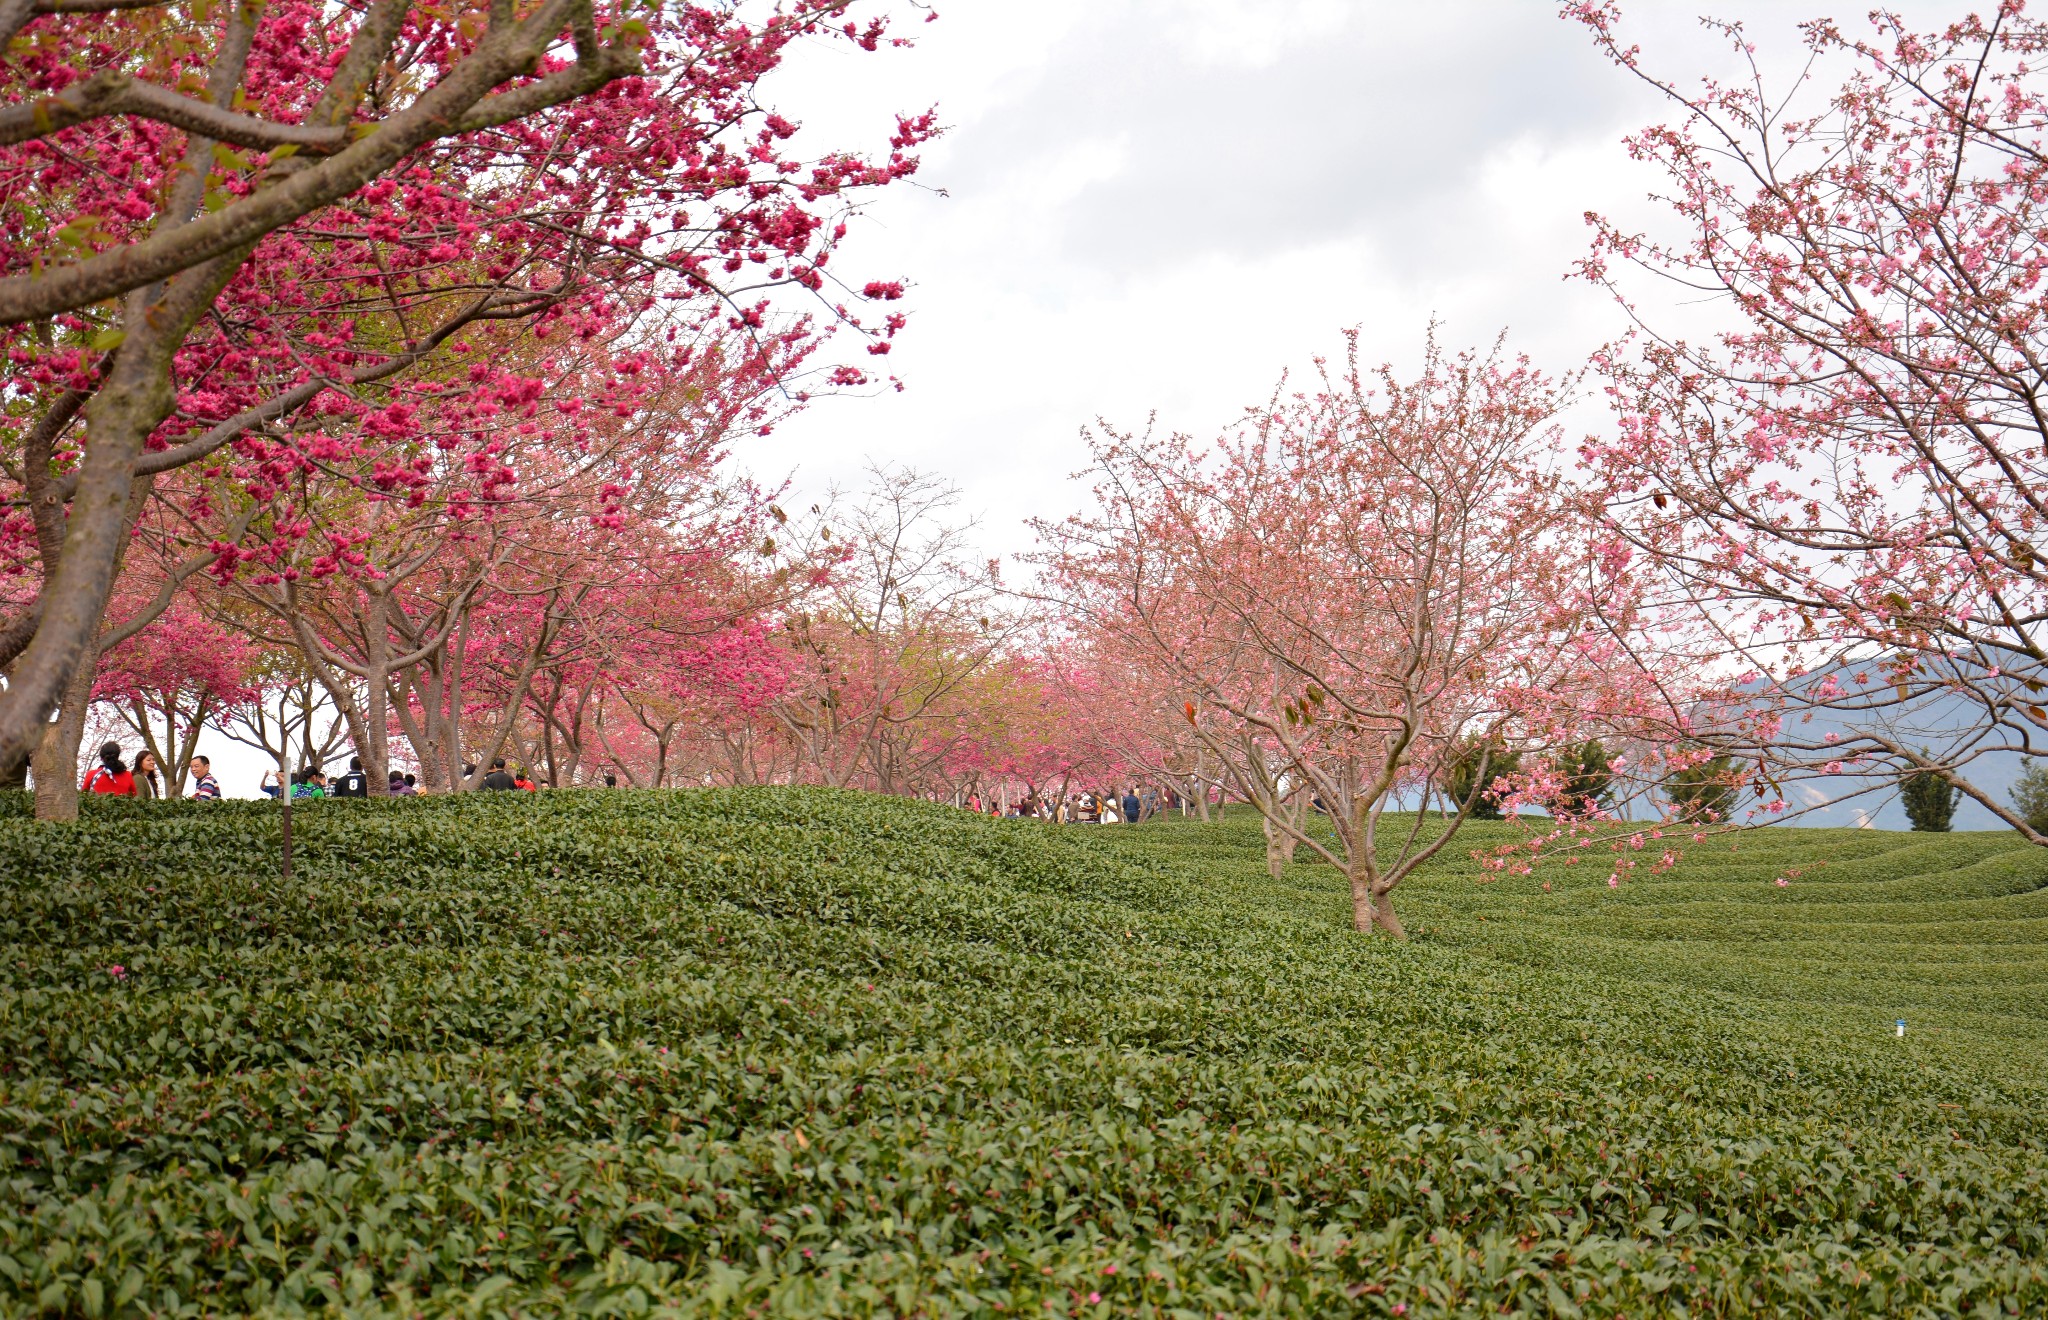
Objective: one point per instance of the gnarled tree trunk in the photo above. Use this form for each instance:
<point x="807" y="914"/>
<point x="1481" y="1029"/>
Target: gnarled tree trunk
<point x="56" y="754"/>
<point x="1372" y="905"/>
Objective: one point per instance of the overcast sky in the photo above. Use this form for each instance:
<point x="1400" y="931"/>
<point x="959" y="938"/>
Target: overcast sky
<point x="1160" y="204"/>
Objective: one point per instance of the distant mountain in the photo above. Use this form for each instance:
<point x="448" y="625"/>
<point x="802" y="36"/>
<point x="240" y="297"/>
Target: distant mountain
<point x="1944" y="723"/>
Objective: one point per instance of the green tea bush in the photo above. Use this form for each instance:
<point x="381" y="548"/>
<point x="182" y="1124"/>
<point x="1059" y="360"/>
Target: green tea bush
<point x="800" y="1052"/>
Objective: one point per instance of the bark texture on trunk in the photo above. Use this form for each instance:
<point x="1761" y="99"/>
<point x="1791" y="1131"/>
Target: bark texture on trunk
<point x="1383" y="914"/>
<point x="56" y="753"/>
<point x="1280" y="848"/>
<point x="1372" y="909"/>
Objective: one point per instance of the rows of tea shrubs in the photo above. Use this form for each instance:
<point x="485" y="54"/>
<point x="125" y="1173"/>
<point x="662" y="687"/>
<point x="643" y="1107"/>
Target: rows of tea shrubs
<point x="798" y="1052"/>
<point x="1867" y="927"/>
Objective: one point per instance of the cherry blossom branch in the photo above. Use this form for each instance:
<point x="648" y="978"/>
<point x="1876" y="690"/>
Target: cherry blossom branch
<point x="487" y="307"/>
<point x="438" y="112"/>
<point x="167" y="591"/>
<point x="15" y="14"/>
<point x="111" y="92"/>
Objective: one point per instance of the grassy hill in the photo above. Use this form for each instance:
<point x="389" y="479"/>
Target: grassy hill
<point x="799" y="1052"/>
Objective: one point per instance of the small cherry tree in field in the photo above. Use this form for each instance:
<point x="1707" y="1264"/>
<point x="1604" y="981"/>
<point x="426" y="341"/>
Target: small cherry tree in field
<point x="1351" y="588"/>
<point x="1851" y="480"/>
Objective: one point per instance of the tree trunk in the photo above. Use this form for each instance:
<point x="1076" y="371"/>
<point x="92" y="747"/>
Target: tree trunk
<point x="1383" y="913"/>
<point x="56" y="753"/>
<point x="336" y="684"/>
<point x="1372" y="908"/>
<point x="458" y="660"/>
<point x="185" y="747"/>
<point x="376" y="744"/>
<point x="422" y="734"/>
<point x="1280" y="845"/>
<point x="508" y="717"/>
<point x="128" y="407"/>
<point x="14" y="771"/>
<point x="145" y="728"/>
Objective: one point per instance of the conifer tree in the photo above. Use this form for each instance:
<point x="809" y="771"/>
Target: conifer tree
<point x="1930" y="800"/>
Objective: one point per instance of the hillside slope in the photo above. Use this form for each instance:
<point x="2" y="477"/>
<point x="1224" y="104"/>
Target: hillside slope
<point x="809" y="1052"/>
<point x="1947" y="931"/>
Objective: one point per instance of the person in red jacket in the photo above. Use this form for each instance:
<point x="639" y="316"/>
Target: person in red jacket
<point x="110" y="775"/>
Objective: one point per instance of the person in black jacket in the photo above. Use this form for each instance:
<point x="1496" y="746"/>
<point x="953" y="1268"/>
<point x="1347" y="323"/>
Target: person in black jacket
<point x="497" y="778"/>
<point x="355" y="783"/>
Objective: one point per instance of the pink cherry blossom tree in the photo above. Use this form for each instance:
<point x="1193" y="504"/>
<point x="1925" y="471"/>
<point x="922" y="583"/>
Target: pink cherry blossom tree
<point x="1850" y="481"/>
<point x="1353" y="587"/>
<point x="174" y="679"/>
<point x="676" y="705"/>
<point x="532" y="492"/>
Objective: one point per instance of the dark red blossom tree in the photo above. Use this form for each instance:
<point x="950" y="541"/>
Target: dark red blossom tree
<point x="214" y="218"/>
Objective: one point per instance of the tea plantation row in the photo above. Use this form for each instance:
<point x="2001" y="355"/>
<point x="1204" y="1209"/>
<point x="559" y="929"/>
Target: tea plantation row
<point x="798" y="1052"/>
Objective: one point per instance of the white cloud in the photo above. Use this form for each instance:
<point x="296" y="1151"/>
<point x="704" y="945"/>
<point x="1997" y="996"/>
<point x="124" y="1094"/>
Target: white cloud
<point x="1163" y="203"/>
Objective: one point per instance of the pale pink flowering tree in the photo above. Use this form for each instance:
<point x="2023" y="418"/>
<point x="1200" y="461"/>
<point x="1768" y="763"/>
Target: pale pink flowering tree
<point x="1046" y="718"/>
<point x="1851" y="482"/>
<point x="1353" y="588"/>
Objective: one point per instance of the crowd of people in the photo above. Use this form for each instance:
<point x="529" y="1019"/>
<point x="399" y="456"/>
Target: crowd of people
<point x="1083" y="807"/>
<point x="312" y="782"/>
<point x="114" y="776"/>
